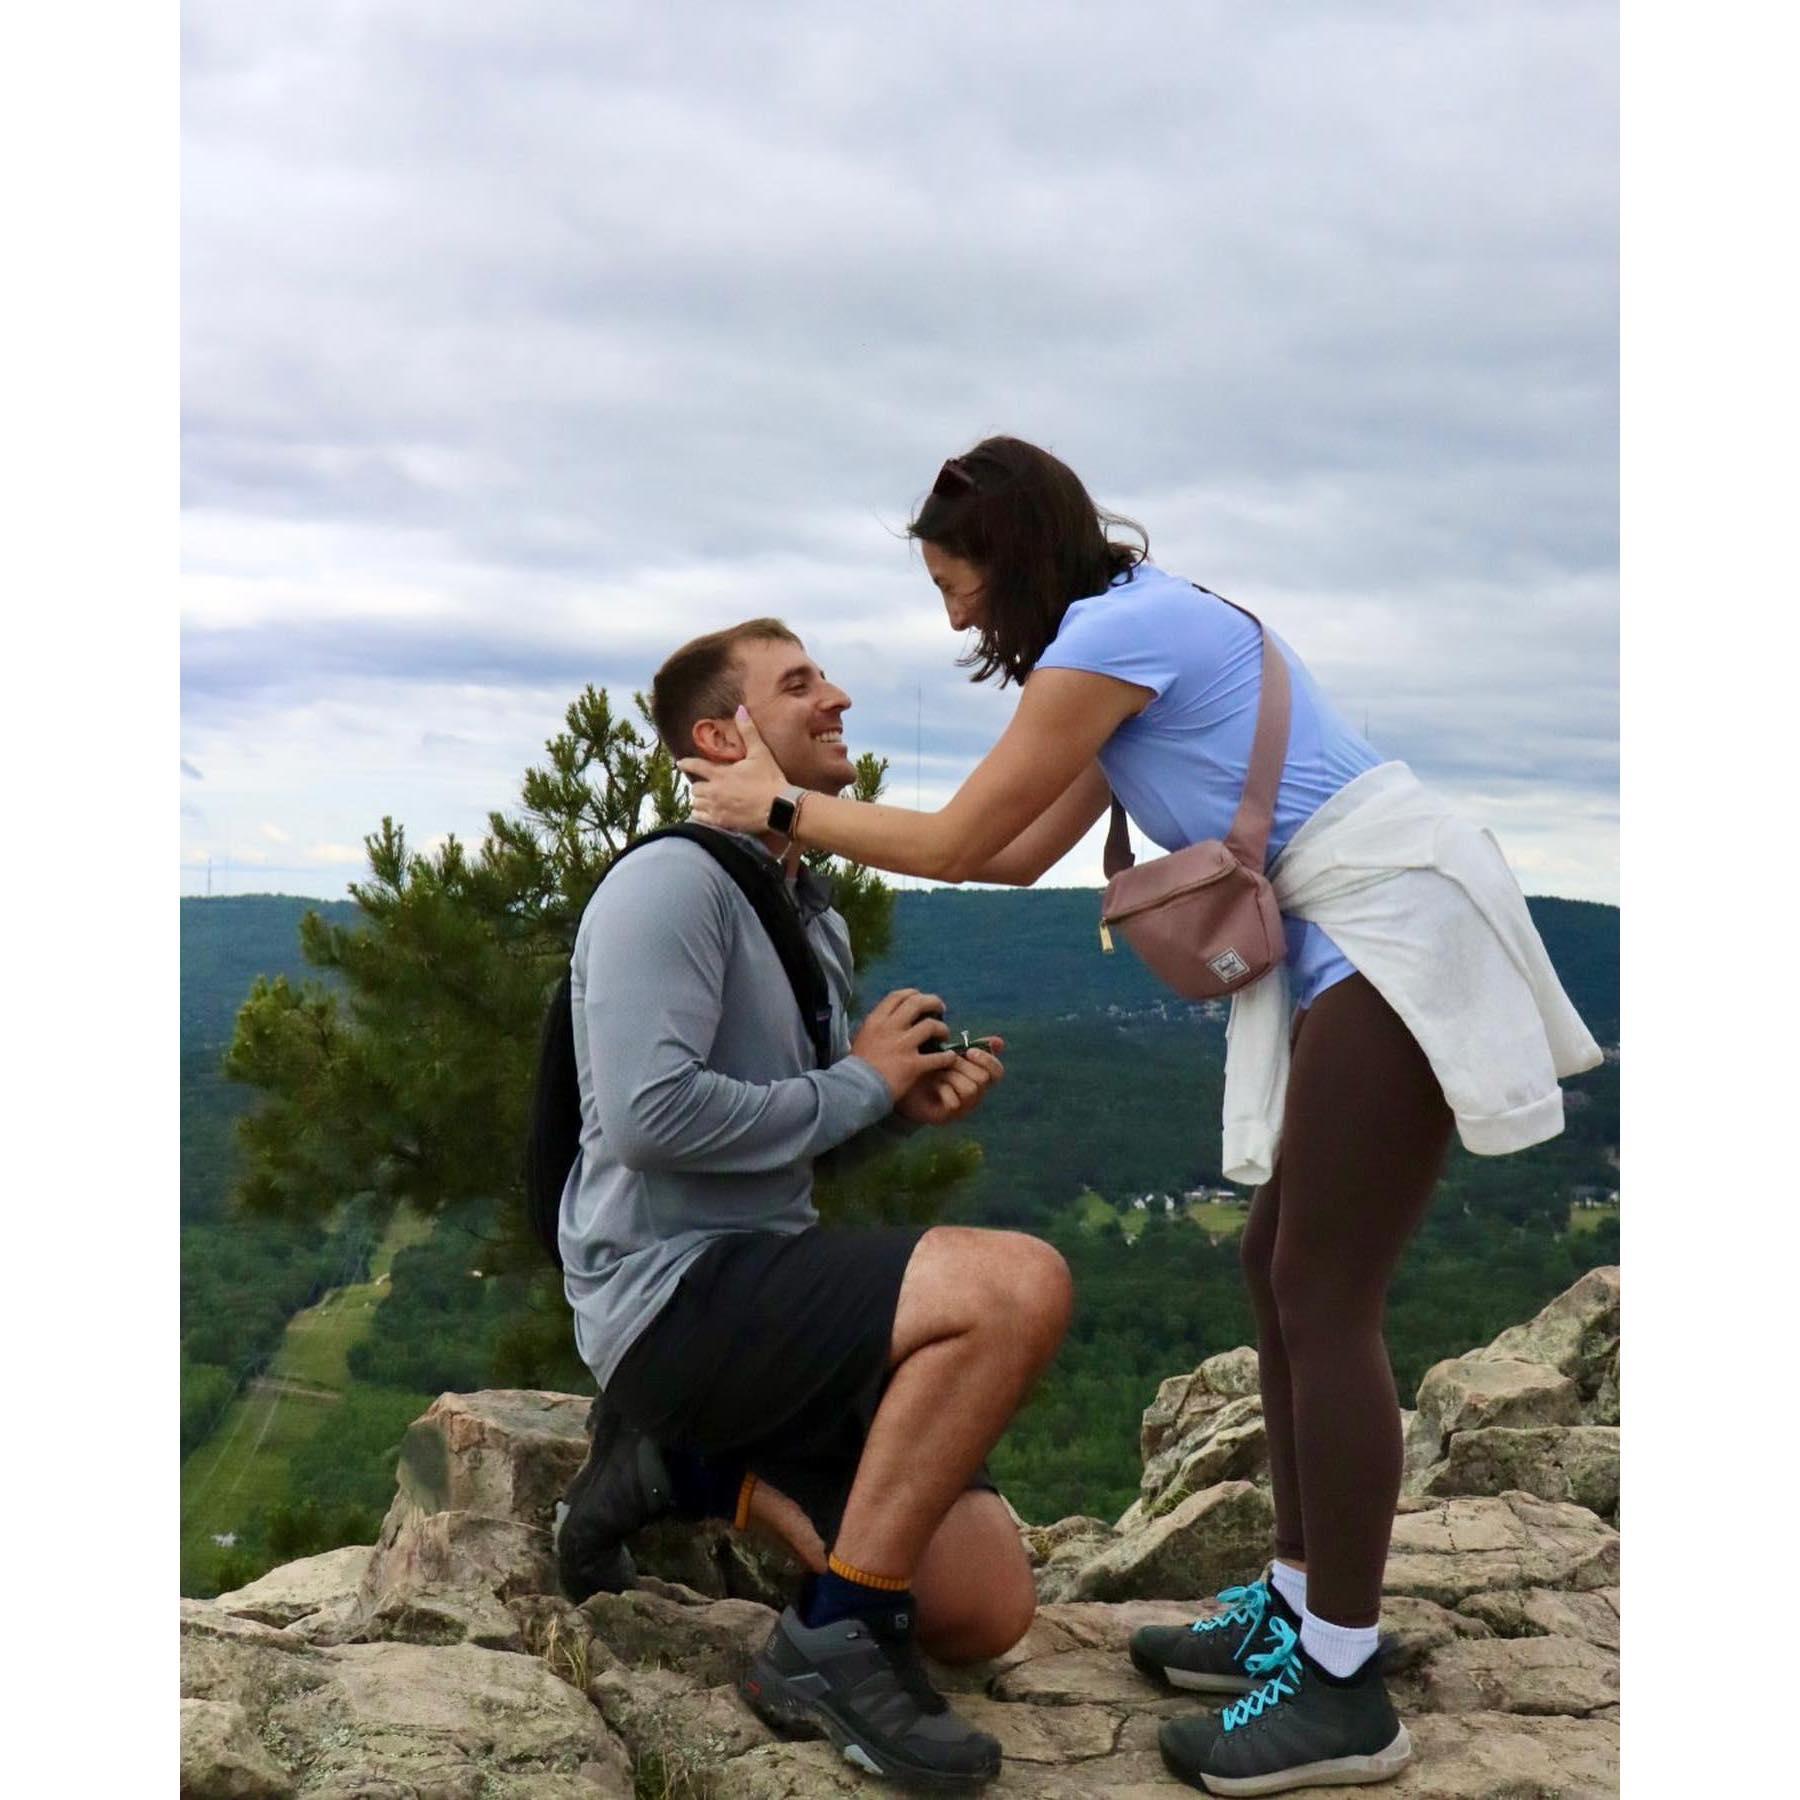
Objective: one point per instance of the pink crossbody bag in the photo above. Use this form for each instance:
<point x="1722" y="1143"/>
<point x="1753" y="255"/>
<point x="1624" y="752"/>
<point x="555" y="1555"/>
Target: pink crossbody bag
<point x="1204" y="919"/>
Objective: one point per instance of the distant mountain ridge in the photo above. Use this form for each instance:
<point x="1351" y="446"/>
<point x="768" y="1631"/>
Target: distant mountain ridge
<point x="994" y="954"/>
<point x="1035" y="953"/>
<point x="227" y="942"/>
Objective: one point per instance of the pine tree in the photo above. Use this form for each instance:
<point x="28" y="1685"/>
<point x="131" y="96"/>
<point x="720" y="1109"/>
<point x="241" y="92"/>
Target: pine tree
<point x="407" y="1078"/>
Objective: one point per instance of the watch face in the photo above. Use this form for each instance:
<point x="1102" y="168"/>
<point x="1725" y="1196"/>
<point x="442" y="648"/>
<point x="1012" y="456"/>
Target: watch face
<point x="781" y="814"/>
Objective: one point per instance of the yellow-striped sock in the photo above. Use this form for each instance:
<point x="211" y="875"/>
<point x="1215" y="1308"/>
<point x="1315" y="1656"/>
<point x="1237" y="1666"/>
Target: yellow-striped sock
<point x="741" y="1518"/>
<point x="882" y="1584"/>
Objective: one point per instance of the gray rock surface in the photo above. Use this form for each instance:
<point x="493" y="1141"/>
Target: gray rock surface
<point x="1213" y="1539"/>
<point x="1555" y="1676"/>
<point x="222" y="1758"/>
<point x="1592" y="1616"/>
<point x="300" y="1590"/>
<point x="1452" y="1549"/>
<point x="1530" y="1411"/>
<point x="441" y="1664"/>
<point x="1469" y="1392"/>
<point x="1200" y="1429"/>
<point x="445" y="1578"/>
<point x="1572" y="1462"/>
<point x="1578" y="1335"/>
<point x="381" y="1719"/>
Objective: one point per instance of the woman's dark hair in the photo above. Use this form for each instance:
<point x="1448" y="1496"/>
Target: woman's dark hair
<point x="1024" y="519"/>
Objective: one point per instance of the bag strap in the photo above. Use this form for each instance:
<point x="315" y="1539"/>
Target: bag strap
<point x="1118" y="843"/>
<point x="1248" y="838"/>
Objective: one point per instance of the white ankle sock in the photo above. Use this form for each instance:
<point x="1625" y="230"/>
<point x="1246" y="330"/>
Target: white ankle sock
<point x="1338" y="1649"/>
<point x="1290" y="1584"/>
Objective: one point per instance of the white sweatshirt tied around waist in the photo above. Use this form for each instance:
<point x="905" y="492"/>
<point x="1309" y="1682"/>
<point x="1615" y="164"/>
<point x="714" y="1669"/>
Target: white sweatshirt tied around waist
<point x="1423" y="903"/>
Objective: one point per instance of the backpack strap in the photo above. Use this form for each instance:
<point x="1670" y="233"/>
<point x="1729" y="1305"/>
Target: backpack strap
<point x="554" y="1134"/>
<point x="1248" y="838"/>
<point x="762" y="883"/>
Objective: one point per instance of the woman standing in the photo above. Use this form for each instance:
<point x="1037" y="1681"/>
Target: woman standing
<point x="1415" y="997"/>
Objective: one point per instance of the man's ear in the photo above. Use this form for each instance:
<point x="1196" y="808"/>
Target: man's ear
<point x="718" y="740"/>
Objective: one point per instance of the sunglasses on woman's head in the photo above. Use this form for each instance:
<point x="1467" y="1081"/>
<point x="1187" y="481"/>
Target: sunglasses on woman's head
<point x="953" y="481"/>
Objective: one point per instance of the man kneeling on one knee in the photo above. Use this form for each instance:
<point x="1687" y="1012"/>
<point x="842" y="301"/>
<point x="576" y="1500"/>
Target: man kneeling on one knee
<point x="838" y="1388"/>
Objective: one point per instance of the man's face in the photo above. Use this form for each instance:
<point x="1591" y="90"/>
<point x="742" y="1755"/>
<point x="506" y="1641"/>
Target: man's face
<point x="799" y="714"/>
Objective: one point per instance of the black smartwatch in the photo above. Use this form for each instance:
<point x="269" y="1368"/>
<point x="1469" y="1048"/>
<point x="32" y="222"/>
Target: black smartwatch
<point x="784" y="809"/>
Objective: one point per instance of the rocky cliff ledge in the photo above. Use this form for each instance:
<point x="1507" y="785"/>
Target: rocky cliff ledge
<point x="441" y="1664"/>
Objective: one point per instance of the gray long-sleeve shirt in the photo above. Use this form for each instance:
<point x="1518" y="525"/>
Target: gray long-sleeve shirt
<point x="702" y="1107"/>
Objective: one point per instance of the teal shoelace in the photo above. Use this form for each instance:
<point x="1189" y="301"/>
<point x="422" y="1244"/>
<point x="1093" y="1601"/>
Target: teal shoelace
<point x="1244" y="1606"/>
<point x="1281" y="1664"/>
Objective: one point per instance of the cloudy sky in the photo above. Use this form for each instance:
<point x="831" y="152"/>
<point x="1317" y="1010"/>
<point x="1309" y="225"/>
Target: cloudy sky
<point x="521" y="343"/>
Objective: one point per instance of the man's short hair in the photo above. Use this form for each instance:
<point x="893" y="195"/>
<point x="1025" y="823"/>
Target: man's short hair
<point x="702" y="681"/>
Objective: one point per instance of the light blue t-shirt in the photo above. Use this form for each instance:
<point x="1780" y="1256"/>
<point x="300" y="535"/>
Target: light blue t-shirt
<point x="1179" y="766"/>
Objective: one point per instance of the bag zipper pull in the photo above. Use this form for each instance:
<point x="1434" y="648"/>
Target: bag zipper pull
<point x="1106" y="943"/>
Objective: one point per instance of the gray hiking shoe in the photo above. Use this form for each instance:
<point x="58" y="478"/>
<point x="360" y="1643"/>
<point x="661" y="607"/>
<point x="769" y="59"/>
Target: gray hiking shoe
<point x="622" y="1487"/>
<point x="861" y="1684"/>
<point x="1302" y="1727"/>
<point x="1209" y="1656"/>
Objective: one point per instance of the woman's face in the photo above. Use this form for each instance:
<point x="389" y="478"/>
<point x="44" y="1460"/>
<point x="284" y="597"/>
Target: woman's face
<point x="962" y="585"/>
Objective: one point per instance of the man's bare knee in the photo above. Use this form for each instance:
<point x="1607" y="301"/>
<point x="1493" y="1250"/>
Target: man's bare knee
<point x="974" y="1585"/>
<point x="1045" y="1292"/>
<point x="1002" y="1283"/>
<point x="988" y="1629"/>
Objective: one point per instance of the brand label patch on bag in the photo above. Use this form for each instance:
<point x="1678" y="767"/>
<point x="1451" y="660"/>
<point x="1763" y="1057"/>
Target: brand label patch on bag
<point x="1228" y="966"/>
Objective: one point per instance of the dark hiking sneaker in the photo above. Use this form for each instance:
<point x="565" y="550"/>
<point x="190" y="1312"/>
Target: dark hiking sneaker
<point x="619" y="1490"/>
<point x="1302" y="1727"/>
<point x="861" y="1684"/>
<point x="1210" y="1656"/>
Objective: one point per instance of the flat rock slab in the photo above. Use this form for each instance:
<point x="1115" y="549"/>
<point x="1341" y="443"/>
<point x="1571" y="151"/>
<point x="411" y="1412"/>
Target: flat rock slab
<point x="386" y="1720"/>
<point x="298" y="1589"/>
<point x="1499" y="1756"/>
<point x="815" y="1771"/>
<point x="1452" y="1549"/>
<point x="1412" y="1629"/>
<point x="1089" y="1625"/>
<point x="683" y="1729"/>
<point x="244" y="1662"/>
<point x="1480" y="1756"/>
<point x="1544" y="1612"/>
<point x="1078" y="1678"/>
<point x="710" y="1644"/>
<point x="788" y="1772"/>
<point x="221" y="1757"/>
<point x="1553" y="1462"/>
<point x="1542" y="1675"/>
<point x="1045" y="1734"/>
<point x="1466" y="1393"/>
<point x="448" y="1718"/>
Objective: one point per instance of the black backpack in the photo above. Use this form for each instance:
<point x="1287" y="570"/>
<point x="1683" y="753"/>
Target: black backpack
<point x="555" y="1129"/>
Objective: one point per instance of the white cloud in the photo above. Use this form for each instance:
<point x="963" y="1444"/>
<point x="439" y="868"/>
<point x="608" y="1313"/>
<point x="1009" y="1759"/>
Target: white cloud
<point x="521" y="345"/>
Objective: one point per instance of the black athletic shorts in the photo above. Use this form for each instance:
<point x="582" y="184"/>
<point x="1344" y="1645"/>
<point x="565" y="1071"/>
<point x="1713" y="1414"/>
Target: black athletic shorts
<point x="774" y="1351"/>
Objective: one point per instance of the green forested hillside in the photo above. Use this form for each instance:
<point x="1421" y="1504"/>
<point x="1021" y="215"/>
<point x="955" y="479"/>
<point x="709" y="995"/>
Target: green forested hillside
<point x="241" y="1280"/>
<point x="228" y="942"/>
<point x="1035" y="953"/>
<point x="1114" y="1088"/>
<point x="993" y="953"/>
